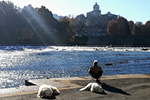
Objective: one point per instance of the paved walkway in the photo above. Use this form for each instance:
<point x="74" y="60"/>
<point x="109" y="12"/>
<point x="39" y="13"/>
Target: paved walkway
<point x="69" y="88"/>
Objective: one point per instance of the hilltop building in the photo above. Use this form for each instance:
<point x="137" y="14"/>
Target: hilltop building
<point x="95" y="23"/>
<point x="95" y="12"/>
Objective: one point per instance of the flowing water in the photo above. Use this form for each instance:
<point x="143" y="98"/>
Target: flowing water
<point x="19" y="63"/>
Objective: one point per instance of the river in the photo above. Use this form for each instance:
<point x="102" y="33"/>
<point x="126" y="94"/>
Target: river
<point x="19" y="63"/>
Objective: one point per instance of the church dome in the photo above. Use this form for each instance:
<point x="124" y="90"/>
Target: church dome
<point x="96" y="6"/>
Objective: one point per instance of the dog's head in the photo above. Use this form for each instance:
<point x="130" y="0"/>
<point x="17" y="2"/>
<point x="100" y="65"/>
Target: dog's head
<point x="46" y="92"/>
<point x="99" y="89"/>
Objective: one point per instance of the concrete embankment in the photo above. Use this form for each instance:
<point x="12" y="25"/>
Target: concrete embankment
<point x="116" y="85"/>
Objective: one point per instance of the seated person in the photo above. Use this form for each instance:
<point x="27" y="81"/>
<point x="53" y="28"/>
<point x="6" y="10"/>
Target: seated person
<point x="96" y="71"/>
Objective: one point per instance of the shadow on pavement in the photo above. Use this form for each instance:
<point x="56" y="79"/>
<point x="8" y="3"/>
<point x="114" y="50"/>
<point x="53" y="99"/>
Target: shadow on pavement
<point x="52" y="97"/>
<point x="113" y="89"/>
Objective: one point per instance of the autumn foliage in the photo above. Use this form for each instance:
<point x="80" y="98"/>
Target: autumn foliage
<point x="37" y="26"/>
<point x="119" y="27"/>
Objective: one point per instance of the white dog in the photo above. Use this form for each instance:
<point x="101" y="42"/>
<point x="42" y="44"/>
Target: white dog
<point x="47" y="91"/>
<point x="94" y="87"/>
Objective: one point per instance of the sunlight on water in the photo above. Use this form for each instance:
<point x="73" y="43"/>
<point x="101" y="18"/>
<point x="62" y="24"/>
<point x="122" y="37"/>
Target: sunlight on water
<point x="19" y="63"/>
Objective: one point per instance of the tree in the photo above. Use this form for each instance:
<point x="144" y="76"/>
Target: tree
<point x="79" y="25"/>
<point x="131" y="25"/>
<point x="47" y="16"/>
<point x="146" y="28"/>
<point x="10" y="22"/>
<point x="66" y="29"/>
<point x="137" y="30"/>
<point x="119" y="27"/>
<point x="112" y="28"/>
<point x="26" y="34"/>
<point x="42" y="24"/>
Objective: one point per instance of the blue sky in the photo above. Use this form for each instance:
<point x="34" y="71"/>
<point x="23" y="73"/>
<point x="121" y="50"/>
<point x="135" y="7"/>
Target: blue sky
<point x="135" y="10"/>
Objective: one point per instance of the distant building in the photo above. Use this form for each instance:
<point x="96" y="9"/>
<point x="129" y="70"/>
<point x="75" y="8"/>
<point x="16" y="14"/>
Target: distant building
<point x="95" y="23"/>
<point x="80" y="18"/>
<point x="96" y="11"/>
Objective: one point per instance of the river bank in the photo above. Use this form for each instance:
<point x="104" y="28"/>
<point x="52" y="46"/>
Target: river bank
<point x="117" y="87"/>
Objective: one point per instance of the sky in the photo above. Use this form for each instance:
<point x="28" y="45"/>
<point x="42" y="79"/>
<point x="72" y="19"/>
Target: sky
<point x="135" y="10"/>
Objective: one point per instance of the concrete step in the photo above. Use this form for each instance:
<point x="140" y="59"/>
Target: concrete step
<point x="32" y="86"/>
<point x="20" y="89"/>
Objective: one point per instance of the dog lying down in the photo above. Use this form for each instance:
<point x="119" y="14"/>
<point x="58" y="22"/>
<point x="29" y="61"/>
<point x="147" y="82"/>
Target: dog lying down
<point x="94" y="87"/>
<point x="47" y="91"/>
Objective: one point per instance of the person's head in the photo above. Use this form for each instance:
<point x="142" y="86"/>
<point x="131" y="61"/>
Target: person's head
<point x="95" y="63"/>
